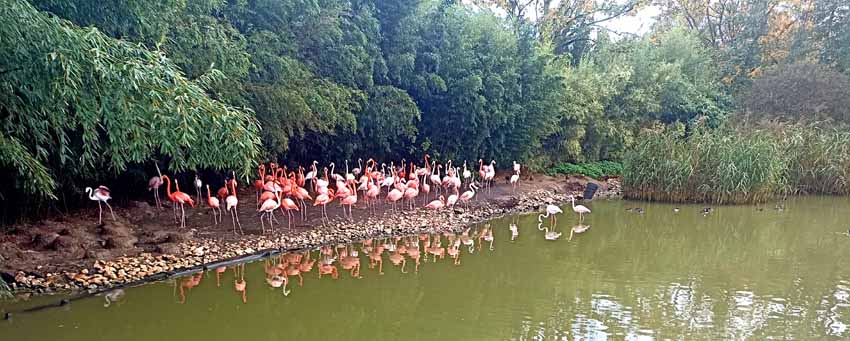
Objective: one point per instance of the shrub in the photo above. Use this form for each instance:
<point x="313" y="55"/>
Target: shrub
<point x="594" y="170"/>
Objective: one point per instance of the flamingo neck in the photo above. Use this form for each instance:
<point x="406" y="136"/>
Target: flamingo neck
<point x="167" y="185"/>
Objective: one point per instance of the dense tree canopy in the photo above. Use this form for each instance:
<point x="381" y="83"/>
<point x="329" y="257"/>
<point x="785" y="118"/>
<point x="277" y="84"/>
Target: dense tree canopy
<point x="92" y="88"/>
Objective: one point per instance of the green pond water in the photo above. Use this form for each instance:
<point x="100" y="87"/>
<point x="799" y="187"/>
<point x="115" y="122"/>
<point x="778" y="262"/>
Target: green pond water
<point x="737" y="273"/>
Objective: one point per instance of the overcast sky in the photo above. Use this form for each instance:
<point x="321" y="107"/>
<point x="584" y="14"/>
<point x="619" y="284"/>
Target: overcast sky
<point x="640" y="23"/>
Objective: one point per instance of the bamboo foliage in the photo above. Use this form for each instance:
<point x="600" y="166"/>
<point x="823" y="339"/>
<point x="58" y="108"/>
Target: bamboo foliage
<point x="75" y="101"/>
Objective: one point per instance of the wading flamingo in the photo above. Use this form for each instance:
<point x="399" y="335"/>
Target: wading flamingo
<point x="178" y="197"/>
<point x="551" y="210"/>
<point x="215" y="205"/>
<point x="581" y="210"/>
<point x="101" y="195"/>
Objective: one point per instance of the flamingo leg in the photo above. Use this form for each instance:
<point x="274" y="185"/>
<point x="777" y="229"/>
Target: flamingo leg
<point x="235" y="214"/>
<point x="99" y="213"/>
<point x="110" y="210"/>
<point x="182" y="216"/>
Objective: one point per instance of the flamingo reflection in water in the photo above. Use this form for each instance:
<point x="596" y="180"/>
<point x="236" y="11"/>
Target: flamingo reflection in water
<point x="454" y="249"/>
<point x="239" y="284"/>
<point x="375" y="259"/>
<point x="466" y="240"/>
<point x="514" y="231"/>
<point x="350" y="261"/>
<point x="189" y="283"/>
<point x="413" y="251"/>
<point x="551" y="210"/>
<point x="578" y="229"/>
<point x="397" y="255"/>
<point x="486" y="234"/>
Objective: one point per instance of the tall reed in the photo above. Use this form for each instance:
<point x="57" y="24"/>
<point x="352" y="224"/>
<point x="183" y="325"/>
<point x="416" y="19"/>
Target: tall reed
<point x="718" y="166"/>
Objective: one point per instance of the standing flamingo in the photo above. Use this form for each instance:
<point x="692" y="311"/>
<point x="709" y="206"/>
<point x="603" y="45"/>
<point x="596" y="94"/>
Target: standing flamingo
<point x="267" y="208"/>
<point x="350" y="201"/>
<point x="178" y="197"/>
<point x="101" y="195"/>
<point x="215" y="205"/>
<point x="467" y="175"/>
<point x="514" y="180"/>
<point x="288" y="205"/>
<point x="153" y="184"/>
<point x="491" y="173"/>
<point x="581" y="210"/>
<point x="468" y="195"/>
<point x="232" y="201"/>
<point x="323" y="199"/>
<point x="551" y="210"/>
<point x="198" y="185"/>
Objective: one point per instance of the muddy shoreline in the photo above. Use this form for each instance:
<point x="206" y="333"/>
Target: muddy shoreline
<point x="142" y="246"/>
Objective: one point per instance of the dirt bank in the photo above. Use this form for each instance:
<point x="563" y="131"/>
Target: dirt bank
<point x="73" y="253"/>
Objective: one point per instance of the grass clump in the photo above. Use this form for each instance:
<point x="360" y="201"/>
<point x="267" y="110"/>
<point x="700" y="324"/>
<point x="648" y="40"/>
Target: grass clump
<point x="714" y="166"/>
<point x="596" y="170"/>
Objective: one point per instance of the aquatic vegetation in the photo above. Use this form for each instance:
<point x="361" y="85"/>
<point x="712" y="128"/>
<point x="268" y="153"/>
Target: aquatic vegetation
<point x="738" y="166"/>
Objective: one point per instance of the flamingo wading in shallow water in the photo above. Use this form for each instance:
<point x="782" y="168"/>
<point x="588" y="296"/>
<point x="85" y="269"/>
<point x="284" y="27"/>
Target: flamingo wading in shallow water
<point x="581" y="210"/>
<point x="101" y="195"/>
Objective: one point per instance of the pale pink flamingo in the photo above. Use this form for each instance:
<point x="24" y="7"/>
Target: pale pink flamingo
<point x="468" y="195"/>
<point x="581" y="210"/>
<point x="101" y="195"/>
<point x="514" y="180"/>
<point x="214" y="205"/>
<point x="437" y="204"/>
<point x="452" y="199"/>
<point x="153" y="185"/>
<point x="350" y="201"/>
<point x="267" y="208"/>
<point x="323" y="200"/>
<point x="288" y="205"/>
<point x="232" y="201"/>
<point x="491" y="173"/>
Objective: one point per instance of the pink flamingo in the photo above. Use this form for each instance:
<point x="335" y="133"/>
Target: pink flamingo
<point x="350" y="201"/>
<point x="101" y="195"/>
<point x="394" y="196"/>
<point x="215" y="205"/>
<point x="267" y="208"/>
<point x="178" y="198"/>
<point x="410" y="195"/>
<point x="288" y="205"/>
<point x="323" y="200"/>
<point x="437" y="204"/>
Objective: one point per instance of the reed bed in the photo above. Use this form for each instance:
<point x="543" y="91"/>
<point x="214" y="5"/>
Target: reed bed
<point x="728" y="167"/>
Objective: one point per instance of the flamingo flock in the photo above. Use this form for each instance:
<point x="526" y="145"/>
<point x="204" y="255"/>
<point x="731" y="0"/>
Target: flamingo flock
<point x="291" y="192"/>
